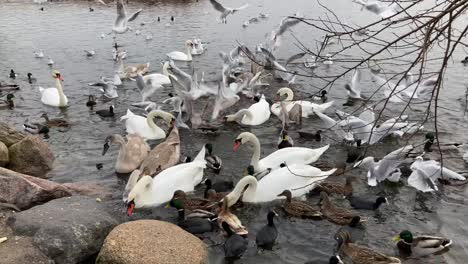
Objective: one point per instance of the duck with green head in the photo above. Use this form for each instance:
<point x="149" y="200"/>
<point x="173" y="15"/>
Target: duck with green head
<point x="420" y="246"/>
<point x="212" y="161"/>
<point x="8" y="102"/>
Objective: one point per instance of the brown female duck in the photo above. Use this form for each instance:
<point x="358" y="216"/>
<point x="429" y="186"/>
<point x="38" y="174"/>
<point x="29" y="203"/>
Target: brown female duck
<point x="297" y="208"/>
<point x="337" y="188"/>
<point x="337" y="215"/>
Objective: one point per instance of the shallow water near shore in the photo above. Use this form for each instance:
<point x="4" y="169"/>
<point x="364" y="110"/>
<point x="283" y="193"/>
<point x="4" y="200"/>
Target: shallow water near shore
<point x="65" y="29"/>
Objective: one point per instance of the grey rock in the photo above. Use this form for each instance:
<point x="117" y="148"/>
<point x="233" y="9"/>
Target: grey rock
<point x="9" y="135"/>
<point x="67" y="230"/>
<point x="31" y="156"/>
<point x="4" y="157"/>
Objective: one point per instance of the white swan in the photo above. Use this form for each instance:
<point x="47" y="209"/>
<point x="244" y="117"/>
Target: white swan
<point x="150" y="192"/>
<point x="255" y="115"/>
<point x="145" y="126"/>
<point x="54" y="96"/>
<point x="293" y="155"/>
<point x="39" y="54"/>
<point x="180" y="56"/>
<point x="268" y="188"/>
<point x="156" y="79"/>
<point x="307" y="107"/>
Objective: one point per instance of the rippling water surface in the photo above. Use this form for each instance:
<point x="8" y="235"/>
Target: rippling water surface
<point x="64" y="29"/>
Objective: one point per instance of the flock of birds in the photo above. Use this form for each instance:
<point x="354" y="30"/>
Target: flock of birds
<point x="159" y="176"/>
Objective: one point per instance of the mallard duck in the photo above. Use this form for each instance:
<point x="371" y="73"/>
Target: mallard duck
<point x="225" y="216"/>
<point x="235" y="245"/>
<point x="360" y="203"/>
<point x="4" y="87"/>
<point x="330" y="188"/>
<point x="337" y="215"/>
<point x="91" y="101"/>
<point x="285" y="141"/>
<point x="212" y="161"/>
<point x="131" y="153"/>
<point x="297" y="208"/>
<point x="266" y="237"/>
<point x="106" y="113"/>
<point x="465" y="60"/>
<point x="166" y="154"/>
<point x="35" y="128"/>
<point x="420" y="246"/>
<point x="193" y="202"/>
<point x="214" y="196"/>
<point x="317" y="136"/>
<point x="360" y="254"/>
<point x="194" y="225"/>
<point x="8" y="102"/>
<point x="54" y="122"/>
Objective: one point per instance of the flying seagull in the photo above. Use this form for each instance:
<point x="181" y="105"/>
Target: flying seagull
<point x="225" y="11"/>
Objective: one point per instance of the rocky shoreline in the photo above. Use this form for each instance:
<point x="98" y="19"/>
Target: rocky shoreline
<point x="46" y="222"/>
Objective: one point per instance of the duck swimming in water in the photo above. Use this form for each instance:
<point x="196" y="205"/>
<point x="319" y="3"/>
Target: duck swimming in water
<point x="8" y="102"/>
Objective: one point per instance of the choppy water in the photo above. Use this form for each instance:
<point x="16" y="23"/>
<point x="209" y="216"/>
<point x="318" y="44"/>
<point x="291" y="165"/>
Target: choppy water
<point x="64" y="29"/>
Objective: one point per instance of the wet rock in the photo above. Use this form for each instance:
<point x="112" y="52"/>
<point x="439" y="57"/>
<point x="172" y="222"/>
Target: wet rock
<point x="31" y="156"/>
<point x="67" y="230"/>
<point x="18" y="249"/>
<point x="9" y="135"/>
<point x="4" y="157"/>
<point x="151" y="242"/>
<point x="25" y="191"/>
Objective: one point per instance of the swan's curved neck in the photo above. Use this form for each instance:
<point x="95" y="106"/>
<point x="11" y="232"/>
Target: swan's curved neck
<point x="60" y="92"/>
<point x="150" y="120"/>
<point x="164" y="69"/>
<point x="241" y="113"/>
<point x="290" y="95"/>
<point x="249" y="194"/>
<point x="189" y="53"/>
<point x="256" y="154"/>
<point x="123" y="145"/>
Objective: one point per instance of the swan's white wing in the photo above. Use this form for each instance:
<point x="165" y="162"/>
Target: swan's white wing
<point x="134" y="15"/>
<point x="218" y="6"/>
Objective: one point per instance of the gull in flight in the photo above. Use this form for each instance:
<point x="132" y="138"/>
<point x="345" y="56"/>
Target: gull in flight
<point x="407" y="90"/>
<point x="386" y="168"/>
<point x="121" y="22"/>
<point x="379" y="8"/>
<point x="354" y="91"/>
<point x="426" y="173"/>
<point x="225" y="11"/>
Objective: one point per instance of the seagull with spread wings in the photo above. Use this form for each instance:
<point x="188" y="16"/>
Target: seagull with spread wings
<point x="225" y="11"/>
<point x="121" y="22"/>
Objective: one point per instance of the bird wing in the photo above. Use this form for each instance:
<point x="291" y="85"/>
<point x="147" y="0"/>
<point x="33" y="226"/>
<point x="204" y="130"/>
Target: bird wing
<point x="390" y="163"/>
<point x="367" y="115"/>
<point x="121" y="14"/>
<point x="285" y="24"/>
<point x="295" y="57"/>
<point x="134" y="15"/>
<point x="240" y="8"/>
<point x="419" y="180"/>
<point x="355" y="80"/>
<point x="182" y="77"/>
<point x="218" y="6"/>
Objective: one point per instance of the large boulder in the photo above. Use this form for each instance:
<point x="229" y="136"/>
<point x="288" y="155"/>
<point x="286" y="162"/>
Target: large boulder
<point x="151" y="242"/>
<point x="31" y="156"/>
<point x="25" y="191"/>
<point x="18" y="249"/>
<point x="67" y="230"/>
<point x="4" y="157"/>
<point x="9" y="135"/>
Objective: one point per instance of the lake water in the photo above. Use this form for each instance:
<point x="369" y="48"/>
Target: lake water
<point x="64" y="29"/>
